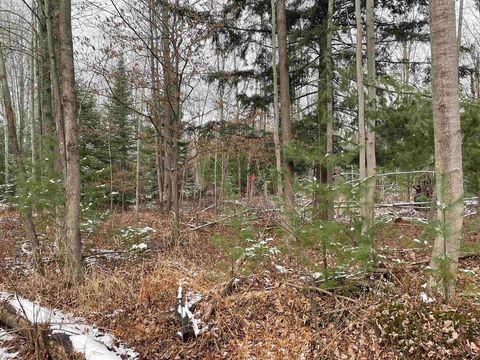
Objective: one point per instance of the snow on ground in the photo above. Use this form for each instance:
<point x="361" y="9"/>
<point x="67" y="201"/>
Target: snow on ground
<point x="6" y="352"/>
<point x="86" y="339"/>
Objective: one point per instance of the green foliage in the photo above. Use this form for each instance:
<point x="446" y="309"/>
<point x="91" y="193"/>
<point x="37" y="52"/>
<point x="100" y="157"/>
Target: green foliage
<point x="405" y="131"/>
<point x="121" y="130"/>
<point x="470" y="117"/>
<point x="94" y="152"/>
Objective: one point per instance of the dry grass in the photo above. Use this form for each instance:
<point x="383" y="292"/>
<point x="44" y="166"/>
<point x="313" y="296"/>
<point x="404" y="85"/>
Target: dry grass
<point x="262" y="318"/>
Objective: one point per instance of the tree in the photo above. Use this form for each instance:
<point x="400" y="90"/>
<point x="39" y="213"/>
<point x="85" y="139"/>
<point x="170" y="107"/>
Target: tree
<point x="121" y="129"/>
<point x="285" y="102"/>
<point x="329" y="98"/>
<point x="73" y="253"/>
<point x="370" y="128"/>
<point x="276" y="125"/>
<point x="361" y="101"/>
<point x="12" y="136"/>
<point x="448" y="144"/>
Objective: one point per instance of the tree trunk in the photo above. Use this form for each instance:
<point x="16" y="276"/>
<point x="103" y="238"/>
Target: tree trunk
<point x="460" y="25"/>
<point x="73" y="259"/>
<point x="6" y="152"/>
<point x="448" y="144"/>
<point x="172" y="94"/>
<point x="47" y="123"/>
<point x="167" y="108"/>
<point x="59" y="164"/>
<point x="276" y="120"/>
<point x="215" y="187"/>
<point x="32" y="100"/>
<point x="21" y="99"/>
<point x="372" y="94"/>
<point x="55" y="82"/>
<point x="12" y="135"/>
<point x="330" y="120"/>
<point x="239" y="175"/>
<point x="361" y="104"/>
<point x="155" y="102"/>
<point x="285" y="103"/>
<point x="137" y="172"/>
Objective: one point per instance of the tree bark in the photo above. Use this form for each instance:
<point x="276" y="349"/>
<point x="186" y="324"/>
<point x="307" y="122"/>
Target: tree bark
<point x="285" y="103"/>
<point x="55" y="82"/>
<point x="460" y="25"/>
<point x="47" y="119"/>
<point x="137" y="172"/>
<point x="32" y="100"/>
<point x="159" y="163"/>
<point x="330" y="119"/>
<point x="448" y="144"/>
<point x="59" y="164"/>
<point x="361" y="103"/>
<point x="276" y="120"/>
<point x="172" y="118"/>
<point x="73" y="254"/>
<point x="370" y="128"/>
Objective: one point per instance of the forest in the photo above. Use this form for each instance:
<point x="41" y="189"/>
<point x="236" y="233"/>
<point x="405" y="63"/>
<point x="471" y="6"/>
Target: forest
<point x="239" y="179"/>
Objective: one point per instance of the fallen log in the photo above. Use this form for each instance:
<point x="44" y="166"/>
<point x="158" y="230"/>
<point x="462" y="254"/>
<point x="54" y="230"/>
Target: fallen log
<point x="57" y="336"/>
<point x="39" y="336"/>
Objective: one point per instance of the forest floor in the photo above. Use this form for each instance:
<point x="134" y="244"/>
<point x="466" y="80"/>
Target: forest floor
<point x="262" y="297"/>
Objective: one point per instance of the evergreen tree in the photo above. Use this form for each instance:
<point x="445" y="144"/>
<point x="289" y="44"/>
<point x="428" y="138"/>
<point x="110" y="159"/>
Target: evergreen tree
<point x="94" y="153"/>
<point x="121" y="129"/>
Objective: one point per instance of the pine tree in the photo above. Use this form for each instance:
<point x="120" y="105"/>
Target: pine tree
<point x="121" y="131"/>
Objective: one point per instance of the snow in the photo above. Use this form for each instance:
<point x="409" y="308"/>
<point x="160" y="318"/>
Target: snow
<point x="5" y="336"/>
<point x="425" y="298"/>
<point x="5" y="353"/>
<point x="185" y="311"/>
<point x="141" y="246"/>
<point x="85" y="339"/>
<point x="467" y="271"/>
<point x="91" y="348"/>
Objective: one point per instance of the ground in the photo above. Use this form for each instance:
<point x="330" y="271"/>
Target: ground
<point x="262" y="297"/>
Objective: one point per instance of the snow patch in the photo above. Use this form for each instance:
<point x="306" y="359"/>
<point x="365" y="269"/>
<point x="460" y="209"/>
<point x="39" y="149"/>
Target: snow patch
<point x="86" y="339"/>
<point x="185" y="311"/>
<point x="5" y="355"/>
<point x="141" y="247"/>
<point x="5" y="350"/>
<point x="425" y="298"/>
